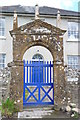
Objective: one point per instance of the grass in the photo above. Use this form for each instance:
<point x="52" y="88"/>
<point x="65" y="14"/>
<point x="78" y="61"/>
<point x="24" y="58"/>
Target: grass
<point x="8" y="108"/>
<point x="76" y="115"/>
<point x="0" y="107"/>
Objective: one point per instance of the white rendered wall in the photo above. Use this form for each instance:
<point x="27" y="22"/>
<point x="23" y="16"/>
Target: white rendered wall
<point x="6" y="45"/>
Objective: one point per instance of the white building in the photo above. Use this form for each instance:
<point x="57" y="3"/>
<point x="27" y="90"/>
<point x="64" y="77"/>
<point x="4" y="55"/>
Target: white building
<point x="68" y="22"/>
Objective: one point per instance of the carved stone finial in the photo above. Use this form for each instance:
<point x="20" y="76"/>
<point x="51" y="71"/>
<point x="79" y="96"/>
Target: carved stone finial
<point x="58" y="22"/>
<point x="36" y="11"/>
<point x="15" y="22"/>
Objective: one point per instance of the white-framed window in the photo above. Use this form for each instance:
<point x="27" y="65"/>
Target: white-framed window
<point x="73" y="61"/>
<point x="73" y="30"/>
<point x="2" y="60"/>
<point x="37" y="57"/>
<point x="2" y="27"/>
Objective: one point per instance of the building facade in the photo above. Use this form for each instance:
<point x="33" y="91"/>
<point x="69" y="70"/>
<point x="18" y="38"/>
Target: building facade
<point x="26" y="14"/>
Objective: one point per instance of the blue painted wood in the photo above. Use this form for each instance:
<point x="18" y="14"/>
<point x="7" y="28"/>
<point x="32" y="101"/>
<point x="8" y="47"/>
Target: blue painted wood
<point x="37" y="72"/>
<point x="24" y="81"/>
<point x="47" y="73"/>
<point x="46" y="94"/>
<point x="41" y="65"/>
<point x="31" y="93"/>
<point x="27" y="72"/>
<point x="41" y="84"/>
<point x="30" y="73"/>
<point x="42" y="74"/>
<point x="36" y="103"/>
<point x="36" y="80"/>
<point x="53" y="84"/>
<point x="50" y="71"/>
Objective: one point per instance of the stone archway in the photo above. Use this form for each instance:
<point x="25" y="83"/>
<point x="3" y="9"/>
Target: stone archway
<point x="32" y="34"/>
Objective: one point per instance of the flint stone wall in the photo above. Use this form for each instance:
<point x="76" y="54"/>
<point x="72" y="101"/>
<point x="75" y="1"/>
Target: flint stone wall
<point x="5" y="77"/>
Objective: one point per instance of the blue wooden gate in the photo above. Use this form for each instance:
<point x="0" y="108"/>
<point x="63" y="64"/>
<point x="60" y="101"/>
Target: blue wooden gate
<point x="38" y="85"/>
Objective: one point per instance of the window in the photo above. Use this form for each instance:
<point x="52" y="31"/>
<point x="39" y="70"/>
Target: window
<point x="73" y="30"/>
<point x="2" y="61"/>
<point x="73" y="61"/>
<point x="37" y="57"/>
<point x="2" y="27"/>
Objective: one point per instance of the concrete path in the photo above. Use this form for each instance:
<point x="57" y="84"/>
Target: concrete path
<point x="41" y="113"/>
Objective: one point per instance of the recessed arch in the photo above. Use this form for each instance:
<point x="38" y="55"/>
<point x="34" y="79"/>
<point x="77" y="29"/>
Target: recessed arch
<point x="34" y="44"/>
<point x="35" y="50"/>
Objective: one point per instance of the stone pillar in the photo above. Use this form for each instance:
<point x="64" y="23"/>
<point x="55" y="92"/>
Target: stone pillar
<point x="59" y="78"/>
<point x="16" y="84"/>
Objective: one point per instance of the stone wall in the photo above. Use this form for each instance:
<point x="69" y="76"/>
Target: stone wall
<point x="5" y="77"/>
<point x="72" y="85"/>
<point x="72" y="89"/>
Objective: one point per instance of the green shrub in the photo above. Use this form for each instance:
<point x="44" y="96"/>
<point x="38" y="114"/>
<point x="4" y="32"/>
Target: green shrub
<point x="8" y="108"/>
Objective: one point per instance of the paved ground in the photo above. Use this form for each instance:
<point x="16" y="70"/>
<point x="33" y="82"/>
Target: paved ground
<point x="41" y="113"/>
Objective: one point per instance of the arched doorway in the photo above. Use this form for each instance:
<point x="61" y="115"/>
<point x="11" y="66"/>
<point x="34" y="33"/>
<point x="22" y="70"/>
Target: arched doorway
<point x="38" y="76"/>
<point x="33" y="34"/>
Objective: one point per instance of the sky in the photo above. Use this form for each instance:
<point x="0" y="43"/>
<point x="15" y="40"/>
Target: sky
<point x="62" y="4"/>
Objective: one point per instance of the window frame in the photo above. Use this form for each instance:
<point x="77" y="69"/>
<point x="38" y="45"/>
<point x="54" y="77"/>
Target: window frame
<point x="73" y="34"/>
<point x="2" y="60"/>
<point x="2" y="27"/>
<point x="74" y="61"/>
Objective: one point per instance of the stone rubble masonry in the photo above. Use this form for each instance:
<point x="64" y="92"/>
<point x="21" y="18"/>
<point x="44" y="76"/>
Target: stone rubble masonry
<point x="5" y="77"/>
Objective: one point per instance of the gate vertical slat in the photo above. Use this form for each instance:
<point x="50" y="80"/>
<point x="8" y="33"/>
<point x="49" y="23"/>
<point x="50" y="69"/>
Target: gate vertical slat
<point x="42" y="73"/>
<point x="50" y="71"/>
<point x="24" y="80"/>
<point x="27" y="71"/>
<point x="39" y="71"/>
<point x="30" y="72"/>
<point x="53" y="84"/>
<point x="47" y="73"/>
<point x="33" y="72"/>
